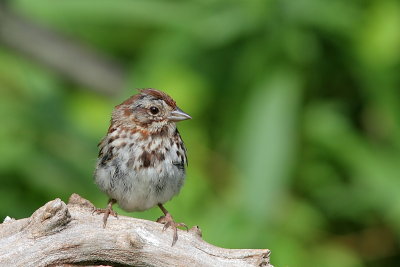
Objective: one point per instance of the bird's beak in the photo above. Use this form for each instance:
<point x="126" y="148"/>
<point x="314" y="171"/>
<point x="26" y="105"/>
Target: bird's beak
<point x="178" y="115"/>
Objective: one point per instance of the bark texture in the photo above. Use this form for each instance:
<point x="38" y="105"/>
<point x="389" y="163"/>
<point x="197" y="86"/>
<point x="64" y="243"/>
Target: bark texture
<point x="67" y="235"/>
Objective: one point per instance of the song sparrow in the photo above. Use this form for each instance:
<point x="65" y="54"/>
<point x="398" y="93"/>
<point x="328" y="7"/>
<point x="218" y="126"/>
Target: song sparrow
<point x="142" y="158"/>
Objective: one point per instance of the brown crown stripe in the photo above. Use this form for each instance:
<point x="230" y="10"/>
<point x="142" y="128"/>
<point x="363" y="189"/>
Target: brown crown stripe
<point x="159" y="95"/>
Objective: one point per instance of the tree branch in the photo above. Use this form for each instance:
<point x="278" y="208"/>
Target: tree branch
<point x="58" y="235"/>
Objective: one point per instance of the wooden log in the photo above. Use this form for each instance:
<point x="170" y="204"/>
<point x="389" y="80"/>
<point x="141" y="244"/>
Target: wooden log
<point x="69" y="235"/>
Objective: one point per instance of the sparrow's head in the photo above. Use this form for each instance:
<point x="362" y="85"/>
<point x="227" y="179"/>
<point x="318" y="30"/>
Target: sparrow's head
<point x="150" y="110"/>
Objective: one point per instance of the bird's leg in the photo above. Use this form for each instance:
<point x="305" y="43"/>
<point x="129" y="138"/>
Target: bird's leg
<point x="107" y="211"/>
<point x="168" y="221"/>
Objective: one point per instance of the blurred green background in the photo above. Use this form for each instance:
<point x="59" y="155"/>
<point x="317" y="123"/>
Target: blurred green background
<point x="294" y="143"/>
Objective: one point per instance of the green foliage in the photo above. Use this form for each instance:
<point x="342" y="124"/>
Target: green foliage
<point x="295" y="139"/>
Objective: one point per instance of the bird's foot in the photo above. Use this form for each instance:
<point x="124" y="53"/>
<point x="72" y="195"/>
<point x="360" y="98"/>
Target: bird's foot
<point x="168" y="221"/>
<point x="107" y="212"/>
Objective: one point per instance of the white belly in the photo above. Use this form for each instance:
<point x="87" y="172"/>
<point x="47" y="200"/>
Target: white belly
<point x="138" y="188"/>
<point x="138" y="191"/>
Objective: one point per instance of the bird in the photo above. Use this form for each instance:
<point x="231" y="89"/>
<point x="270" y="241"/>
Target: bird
<point x="142" y="159"/>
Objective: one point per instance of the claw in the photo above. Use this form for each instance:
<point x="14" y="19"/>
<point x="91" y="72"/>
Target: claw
<point x="183" y="225"/>
<point x="175" y="238"/>
<point x="168" y="221"/>
<point x="168" y="224"/>
<point x="107" y="212"/>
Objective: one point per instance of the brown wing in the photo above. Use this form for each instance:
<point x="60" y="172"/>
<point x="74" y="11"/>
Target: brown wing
<point x="105" y="153"/>
<point x="181" y="147"/>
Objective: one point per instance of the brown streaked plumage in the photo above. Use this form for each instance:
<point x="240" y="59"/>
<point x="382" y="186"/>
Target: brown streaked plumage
<point x="142" y="158"/>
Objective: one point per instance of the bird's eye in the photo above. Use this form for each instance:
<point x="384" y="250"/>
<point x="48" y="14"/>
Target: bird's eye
<point x="154" y="110"/>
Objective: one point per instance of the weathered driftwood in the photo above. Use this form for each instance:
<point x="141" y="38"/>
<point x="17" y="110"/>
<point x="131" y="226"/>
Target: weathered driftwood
<point x="67" y="235"/>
